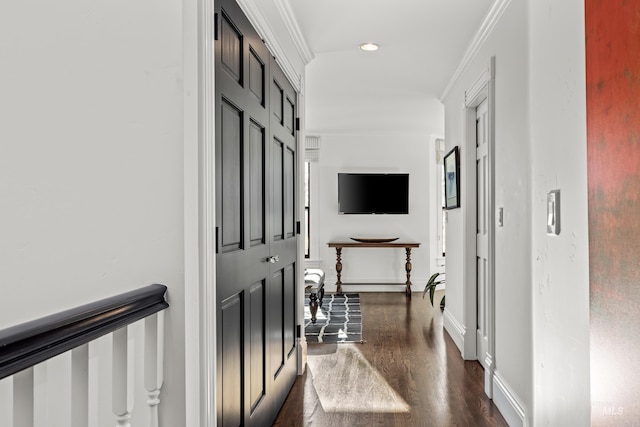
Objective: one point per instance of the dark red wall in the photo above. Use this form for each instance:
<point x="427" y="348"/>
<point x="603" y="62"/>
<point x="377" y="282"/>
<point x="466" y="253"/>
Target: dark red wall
<point x="613" y="150"/>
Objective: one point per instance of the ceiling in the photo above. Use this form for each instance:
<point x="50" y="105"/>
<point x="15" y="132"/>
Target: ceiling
<point x="421" y="44"/>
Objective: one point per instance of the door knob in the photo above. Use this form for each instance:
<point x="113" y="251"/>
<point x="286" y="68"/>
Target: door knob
<point x="273" y="259"/>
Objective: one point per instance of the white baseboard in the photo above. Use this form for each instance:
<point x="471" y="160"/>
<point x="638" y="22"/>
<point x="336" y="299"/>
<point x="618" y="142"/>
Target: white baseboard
<point x="302" y="354"/>
<point x="454" y="328"/>
<point x="417" y="283"/>
<point x="508" y="403"/>
<point x="377" y="285"/>
<point x="312" y="263"/>
<point x="331" y="287"/>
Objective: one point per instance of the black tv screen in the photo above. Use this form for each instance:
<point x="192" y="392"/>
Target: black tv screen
<point x="373" y="193"/>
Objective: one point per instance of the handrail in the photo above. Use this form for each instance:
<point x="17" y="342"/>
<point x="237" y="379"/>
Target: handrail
<point x="30" y="343"/>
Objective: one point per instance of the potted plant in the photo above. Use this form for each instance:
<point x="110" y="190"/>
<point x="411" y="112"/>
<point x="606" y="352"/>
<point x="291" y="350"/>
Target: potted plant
<point x="431" y="286"/>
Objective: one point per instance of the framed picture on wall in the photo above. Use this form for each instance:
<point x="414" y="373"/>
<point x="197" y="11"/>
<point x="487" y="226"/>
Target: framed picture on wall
<point x="452" y="179"/>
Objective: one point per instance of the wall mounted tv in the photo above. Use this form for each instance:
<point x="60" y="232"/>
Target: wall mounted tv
<point x="373" y="193"/>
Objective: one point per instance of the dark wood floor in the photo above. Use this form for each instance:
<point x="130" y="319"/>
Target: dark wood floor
<point x="407" y="345"/>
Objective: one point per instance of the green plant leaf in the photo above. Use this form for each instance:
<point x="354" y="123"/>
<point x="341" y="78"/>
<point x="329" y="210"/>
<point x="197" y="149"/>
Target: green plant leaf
<point x="431" y="286"/>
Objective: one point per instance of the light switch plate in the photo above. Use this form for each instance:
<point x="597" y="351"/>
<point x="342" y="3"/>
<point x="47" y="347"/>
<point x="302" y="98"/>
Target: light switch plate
<point x="553" y="213"/>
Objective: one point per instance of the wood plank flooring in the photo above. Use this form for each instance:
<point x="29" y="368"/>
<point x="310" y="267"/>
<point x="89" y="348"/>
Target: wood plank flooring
<point x="412" y="358"/>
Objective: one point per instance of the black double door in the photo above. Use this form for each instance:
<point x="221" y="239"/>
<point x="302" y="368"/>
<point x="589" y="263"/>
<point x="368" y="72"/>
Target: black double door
<point x="255" y="219"/>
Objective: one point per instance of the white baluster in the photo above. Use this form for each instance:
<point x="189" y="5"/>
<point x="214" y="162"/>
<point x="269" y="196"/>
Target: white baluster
<point x="153" y="363"/>
<point x="6" y="401"/>
<point x="120" y="378"/>
<point x="53" y="391"/>
<point x="80" y="386"/>
<point x="23" y="398"/>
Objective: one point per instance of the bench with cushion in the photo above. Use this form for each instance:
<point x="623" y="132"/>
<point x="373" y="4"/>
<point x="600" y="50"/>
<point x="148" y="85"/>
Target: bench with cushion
<point x="314" y="285"/>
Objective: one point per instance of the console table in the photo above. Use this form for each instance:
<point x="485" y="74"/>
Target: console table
<point x="340" y="245"/>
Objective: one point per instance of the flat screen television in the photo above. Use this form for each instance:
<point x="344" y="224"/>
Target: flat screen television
<point x="373" y="193"/>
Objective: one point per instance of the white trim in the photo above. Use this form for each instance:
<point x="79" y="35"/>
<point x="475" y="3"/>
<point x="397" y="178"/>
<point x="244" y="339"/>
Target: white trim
<point x="486" y="28"/>
<point x="300" y="138"/>
<point x="434" y="171"/>
<point x="454" y="328"/>
<point x="330" y="286"/>
<point x="370" y="286"/>
<point x="508" y="403"/>
<point x="313" y="263"/>
<point x="262" y="27"/>
<point x="284" y="7"/>
<point x="193" y="33"/>
<point x="207" y="208"/>
<point x="481" y="89"/>
<point x="469" y="229"/>
<point x="314" y="215"/>
<point x="417" y="283"/>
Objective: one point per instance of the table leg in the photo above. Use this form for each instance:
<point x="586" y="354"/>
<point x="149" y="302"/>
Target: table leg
<point x="313" y="306"/>
<point x="339" y="270"/>
<point x="407" y="267"/>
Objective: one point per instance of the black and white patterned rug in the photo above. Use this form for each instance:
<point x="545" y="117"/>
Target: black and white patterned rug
<point x="338" y="320"/>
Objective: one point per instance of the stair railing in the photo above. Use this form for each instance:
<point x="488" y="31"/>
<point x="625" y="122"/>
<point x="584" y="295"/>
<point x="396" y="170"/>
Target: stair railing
<point x="55" y="370"/>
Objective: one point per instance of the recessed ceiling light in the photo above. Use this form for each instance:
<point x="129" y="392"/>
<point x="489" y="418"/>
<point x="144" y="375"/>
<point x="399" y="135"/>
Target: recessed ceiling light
<point x="369" y="47"/>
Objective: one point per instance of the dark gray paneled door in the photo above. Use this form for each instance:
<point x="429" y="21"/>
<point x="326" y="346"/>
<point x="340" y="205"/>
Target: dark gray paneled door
<point x="255" y="219"/>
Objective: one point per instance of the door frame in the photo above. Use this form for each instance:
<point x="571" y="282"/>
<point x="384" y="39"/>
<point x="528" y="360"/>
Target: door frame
<point x="206" y="208"/>
<point x="483" y="88"/>
<point x="199" y="212"/>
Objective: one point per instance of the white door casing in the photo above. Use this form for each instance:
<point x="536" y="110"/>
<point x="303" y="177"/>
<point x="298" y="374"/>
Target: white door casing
<point x="479" y="247"/>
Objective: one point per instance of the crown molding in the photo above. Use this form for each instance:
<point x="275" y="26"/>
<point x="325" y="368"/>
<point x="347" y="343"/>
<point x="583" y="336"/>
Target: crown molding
<point x="486" y="28"/>
<point x="305" y="52"/>
<point x="265" y="32"/>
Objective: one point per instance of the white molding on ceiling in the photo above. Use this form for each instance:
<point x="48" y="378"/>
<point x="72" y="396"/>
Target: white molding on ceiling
<point x="265" y="32"/>
<point x="488" y="25"/>
<point x="305" y="52"/>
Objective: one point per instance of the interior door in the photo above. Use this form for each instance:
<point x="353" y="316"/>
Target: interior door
<point x="255" y="215"/>
<point x="283" y="239"/>
<point x="482" y="236"/>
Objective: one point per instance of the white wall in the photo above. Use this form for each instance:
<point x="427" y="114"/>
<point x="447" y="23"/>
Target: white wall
<point x="91" y="172"/>
<point x="560" y="273"/>
<point x="542" y="288"/>
<point x="377" y="153"/>
<point x="513" y="340"/>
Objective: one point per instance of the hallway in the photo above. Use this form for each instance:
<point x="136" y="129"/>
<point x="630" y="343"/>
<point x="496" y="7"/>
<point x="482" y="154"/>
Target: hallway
<point x="413" y="358"/>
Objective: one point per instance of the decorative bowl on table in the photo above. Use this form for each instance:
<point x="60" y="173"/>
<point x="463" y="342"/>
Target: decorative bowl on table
<point x="374" y="240"/>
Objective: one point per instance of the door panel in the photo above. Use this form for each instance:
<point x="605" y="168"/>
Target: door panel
<point x="255" y="219"/>
<point x="231" y="175"/>
<point x="289" y="320"/>
<point x="231" y="49"/>
<point x="256" y="324"/>
<point x="256" y="76"/>
<point x="276" y="335"/>
<point x="277" y="101"/>
<point x="257" y="183"/>
<point x="482" y="236"/>
<point x="231" y="320"/>
<point x="277" y="204"/>
<point x="288" y="173"/>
